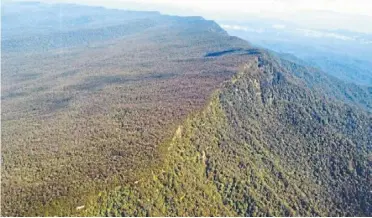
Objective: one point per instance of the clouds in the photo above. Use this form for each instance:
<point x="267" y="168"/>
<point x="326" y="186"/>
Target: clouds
<point x="278" y="26"/>
<point x="293" y="31"/>
<point x="242" y="28"/>
<point x="320" y="34"/>
<point x="353" y="15"/>
<point x="360" y="7"/>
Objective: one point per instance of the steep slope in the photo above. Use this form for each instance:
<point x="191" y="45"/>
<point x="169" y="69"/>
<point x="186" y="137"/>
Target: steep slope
<point x="265" y="145"/>
<point x="360" y="96"/>
<point x="317" y="150"/>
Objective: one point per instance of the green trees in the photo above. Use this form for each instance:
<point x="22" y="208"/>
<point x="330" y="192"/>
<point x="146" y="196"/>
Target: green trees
<point x="253" y="157"/>
<point x="147" y="125"/>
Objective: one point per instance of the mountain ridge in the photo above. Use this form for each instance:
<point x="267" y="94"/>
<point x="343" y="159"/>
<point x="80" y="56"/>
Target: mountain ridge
<point x="193" y="151"/>
<point x="180" y="119"/>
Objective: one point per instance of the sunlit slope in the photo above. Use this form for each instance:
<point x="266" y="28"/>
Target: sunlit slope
<point x="77" y="118"/>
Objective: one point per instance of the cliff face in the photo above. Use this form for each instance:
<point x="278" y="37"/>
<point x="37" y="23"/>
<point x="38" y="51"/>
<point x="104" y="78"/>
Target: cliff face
<point x="264" y="145"/>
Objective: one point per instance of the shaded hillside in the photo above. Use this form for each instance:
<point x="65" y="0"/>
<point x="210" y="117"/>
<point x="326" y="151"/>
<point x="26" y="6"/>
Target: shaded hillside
<point x="316" y="151"/>
<point x="175" y="117"/>
<point x="359" y="96"/>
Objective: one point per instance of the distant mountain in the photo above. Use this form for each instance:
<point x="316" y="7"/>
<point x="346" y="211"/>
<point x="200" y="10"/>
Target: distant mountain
<point x="25" y="19"/>
<point x="143" y="114"/>
<point x="343" y="54"/>
<point x="40" y="27"/>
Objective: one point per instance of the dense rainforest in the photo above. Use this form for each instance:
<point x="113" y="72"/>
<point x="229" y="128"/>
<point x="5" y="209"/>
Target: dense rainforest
<point x="123" y="113"/>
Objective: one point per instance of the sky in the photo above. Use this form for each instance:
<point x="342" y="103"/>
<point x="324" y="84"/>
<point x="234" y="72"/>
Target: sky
<point x="354" y="15"/>
<point x="361" y="7"/>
